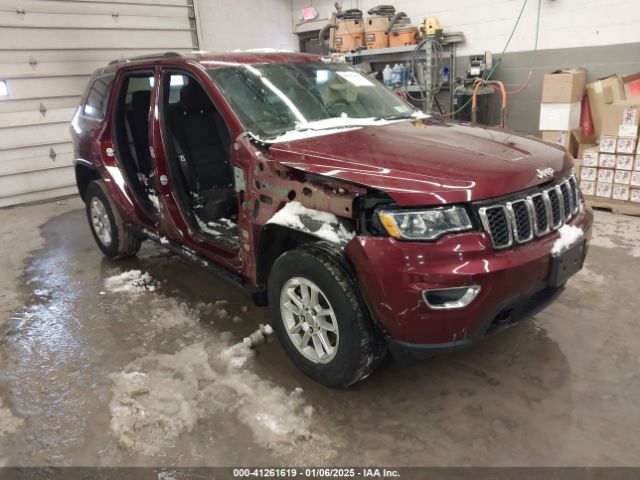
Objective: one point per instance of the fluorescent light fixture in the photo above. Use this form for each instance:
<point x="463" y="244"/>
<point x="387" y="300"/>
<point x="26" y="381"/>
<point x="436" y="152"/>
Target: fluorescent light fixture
<point x="4" y="89"/>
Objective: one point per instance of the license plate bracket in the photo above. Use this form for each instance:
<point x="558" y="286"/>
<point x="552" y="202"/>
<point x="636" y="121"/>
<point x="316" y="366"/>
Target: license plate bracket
<point x="566" y="264"/>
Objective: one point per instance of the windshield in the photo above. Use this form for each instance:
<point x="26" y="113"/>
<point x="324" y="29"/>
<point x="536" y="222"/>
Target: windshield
<point x="272" y="99"/>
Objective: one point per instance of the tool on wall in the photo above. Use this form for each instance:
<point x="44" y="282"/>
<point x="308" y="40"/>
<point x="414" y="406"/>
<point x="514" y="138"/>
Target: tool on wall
<point x="431" y="28"/>
<point x="495" y="84"/>
<point x="401" y="32"/>
<point x="479" y="67"/>
<point x="346" y="31"/>
<point x="427" y="74"/>
<point x="376" y="35"/>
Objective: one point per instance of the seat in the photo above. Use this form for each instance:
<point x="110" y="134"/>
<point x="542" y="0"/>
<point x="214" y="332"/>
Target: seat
<point x="202" y="144"/>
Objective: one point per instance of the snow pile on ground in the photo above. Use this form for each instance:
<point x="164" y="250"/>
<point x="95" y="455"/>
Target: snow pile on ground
<point x="131" y="281"/>
<point x="569" y="235"/>
<point x="159" y="397"/>
<point x="321" y="224"/>
<point x="168" y="313"/>
<point x="9" y="423"/>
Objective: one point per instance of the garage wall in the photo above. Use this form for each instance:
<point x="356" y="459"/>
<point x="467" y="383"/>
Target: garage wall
<point x="48" y="48"/>
<point x="487" y="24"/>
<point x="600" y="36"/>
<point x="228" y="25"/>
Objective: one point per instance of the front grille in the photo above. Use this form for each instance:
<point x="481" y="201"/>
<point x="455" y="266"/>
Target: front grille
<point x="521" y="218"/>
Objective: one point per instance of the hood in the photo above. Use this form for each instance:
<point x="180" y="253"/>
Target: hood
<point x="425" y="162"/>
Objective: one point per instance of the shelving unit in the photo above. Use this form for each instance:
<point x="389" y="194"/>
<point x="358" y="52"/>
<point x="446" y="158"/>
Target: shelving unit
<point x="403" y="54"/>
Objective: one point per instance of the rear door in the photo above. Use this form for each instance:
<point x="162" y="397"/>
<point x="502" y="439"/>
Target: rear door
<point x="124" y="146"/>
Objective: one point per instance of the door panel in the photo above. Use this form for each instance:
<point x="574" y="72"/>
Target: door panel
<point x="183" y="224"/>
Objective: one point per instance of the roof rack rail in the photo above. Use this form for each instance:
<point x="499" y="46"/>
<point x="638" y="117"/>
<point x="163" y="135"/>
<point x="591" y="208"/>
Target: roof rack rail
<point x="149" y="56"/>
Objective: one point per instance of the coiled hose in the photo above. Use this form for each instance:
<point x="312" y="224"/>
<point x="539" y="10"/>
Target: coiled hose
<point x="383" y="11"/>
<point x="399" y="21"/>
<point x="351" y="14"/>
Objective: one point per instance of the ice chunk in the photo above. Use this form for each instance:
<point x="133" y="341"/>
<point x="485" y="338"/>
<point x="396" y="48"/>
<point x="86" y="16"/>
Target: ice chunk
<point x="131" y="281"/>
<point x="569" y="235"/>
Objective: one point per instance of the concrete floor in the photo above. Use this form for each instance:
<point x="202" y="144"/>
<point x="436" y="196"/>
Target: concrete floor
<point x="91" y="377"/>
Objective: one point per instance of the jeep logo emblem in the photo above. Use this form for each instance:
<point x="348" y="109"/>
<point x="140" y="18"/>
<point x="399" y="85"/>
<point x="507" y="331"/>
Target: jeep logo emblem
<point x="545" y="172"/>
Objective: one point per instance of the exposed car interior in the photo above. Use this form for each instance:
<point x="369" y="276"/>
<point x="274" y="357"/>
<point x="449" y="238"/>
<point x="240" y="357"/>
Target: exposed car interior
<point x="132" y="136"/>
<point x="198" y="145"/>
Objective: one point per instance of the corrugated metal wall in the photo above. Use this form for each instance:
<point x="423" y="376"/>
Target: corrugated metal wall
<point x="48" y="48"/>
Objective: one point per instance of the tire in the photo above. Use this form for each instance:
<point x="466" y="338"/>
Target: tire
<point x="356" y="347"/>
<point x="106" y="224"/>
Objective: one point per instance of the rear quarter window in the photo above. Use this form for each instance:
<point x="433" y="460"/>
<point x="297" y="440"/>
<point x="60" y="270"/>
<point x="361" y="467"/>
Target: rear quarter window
<point x="95" y="105"/>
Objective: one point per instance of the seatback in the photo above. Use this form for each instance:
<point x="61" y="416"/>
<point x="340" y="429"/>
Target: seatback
<point x="203" y="141"/>
<point x="140" y="102"/>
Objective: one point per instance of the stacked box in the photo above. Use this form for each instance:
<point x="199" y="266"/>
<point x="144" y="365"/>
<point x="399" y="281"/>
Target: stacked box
<point x="613" y="169"/>
<point x="562" y="93"/>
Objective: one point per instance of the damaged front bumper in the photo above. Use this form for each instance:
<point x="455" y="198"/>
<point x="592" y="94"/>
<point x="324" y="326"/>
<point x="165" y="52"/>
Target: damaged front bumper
<point x="512" y="285"/>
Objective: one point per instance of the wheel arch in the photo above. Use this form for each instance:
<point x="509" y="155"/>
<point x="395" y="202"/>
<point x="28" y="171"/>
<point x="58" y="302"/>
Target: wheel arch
<point x="85" y="174"/>
<point x="274" y="241"/>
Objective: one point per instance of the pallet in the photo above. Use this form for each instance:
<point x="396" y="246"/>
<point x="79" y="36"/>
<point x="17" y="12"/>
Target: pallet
<point x="614" y="206"/>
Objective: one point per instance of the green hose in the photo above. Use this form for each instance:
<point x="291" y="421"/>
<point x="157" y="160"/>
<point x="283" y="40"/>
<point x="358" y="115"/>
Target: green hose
<point x="493" y="69"/>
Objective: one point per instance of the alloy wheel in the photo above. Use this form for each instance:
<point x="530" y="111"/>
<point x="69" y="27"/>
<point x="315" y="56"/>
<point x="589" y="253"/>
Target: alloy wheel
<point x="100" y="221"/>
<point x="309" y="320"/>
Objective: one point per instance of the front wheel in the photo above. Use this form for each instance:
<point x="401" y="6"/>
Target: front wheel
<point x="106" y="224"/>
<point x="320" y="317"/>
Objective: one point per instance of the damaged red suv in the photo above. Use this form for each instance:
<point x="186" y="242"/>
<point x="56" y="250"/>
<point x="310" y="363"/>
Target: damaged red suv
<point x="365" y="225"/>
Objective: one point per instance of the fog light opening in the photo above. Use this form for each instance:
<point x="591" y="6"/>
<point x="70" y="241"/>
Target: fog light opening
<point x="450" y="298"/>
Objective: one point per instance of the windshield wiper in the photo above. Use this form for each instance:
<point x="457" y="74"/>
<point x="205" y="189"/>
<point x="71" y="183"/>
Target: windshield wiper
<point x="404" y="116"/>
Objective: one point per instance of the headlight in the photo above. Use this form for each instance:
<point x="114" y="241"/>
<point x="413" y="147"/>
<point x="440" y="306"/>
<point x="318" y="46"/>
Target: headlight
<point x="424" y="224"/>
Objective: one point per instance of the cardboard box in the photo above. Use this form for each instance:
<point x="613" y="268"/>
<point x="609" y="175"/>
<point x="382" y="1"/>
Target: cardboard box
<point x="635" y="179"/>
<point x="624" y="162"/>
<point x="620" y="192"/>
<point x="608" y="144"/>
<point x="603" y="92"/>
<point x="605" y="175"/>
<point x="588" y="188"/>
<point x="604" y="189"/>
<point x="589" y="174"/>
<point x="563" y="138"/>
<point x="628" y="131"/>
<point x="584" y="142"/>
<point x="626" y="145"/>
<point x="564" y="86"/>
<point x="622" y="177"/>
<point x="607" y="160"/>
<point x="590" y="157"/>
<point x="635" y="195"/>
<point x="559" y="116"/>
<point x="582" y="147"/>
<point x="631" y="84"/>
<point x="626" y="112"/>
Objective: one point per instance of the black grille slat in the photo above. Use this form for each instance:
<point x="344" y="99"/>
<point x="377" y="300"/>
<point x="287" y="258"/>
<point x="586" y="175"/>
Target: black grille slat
<point x="556" y="213"/>
<point x="540" y="213"/>
<point x="576" y="193"/>
<point x="521" y="218"/>
<point x="499" y="227"/>
<point x="566" y="200"/>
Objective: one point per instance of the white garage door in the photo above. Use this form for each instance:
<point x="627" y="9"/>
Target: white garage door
<point x="48" y="48"/>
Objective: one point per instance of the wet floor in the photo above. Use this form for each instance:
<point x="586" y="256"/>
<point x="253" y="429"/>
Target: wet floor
<point x="159" y="374"/>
